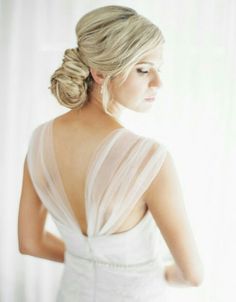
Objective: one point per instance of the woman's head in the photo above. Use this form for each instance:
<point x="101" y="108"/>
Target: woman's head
<point x="111" y="40"/>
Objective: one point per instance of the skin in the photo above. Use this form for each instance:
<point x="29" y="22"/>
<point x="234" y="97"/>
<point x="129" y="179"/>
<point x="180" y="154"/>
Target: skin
<point x="143" y="81"/>
<point x="164" y="197"/>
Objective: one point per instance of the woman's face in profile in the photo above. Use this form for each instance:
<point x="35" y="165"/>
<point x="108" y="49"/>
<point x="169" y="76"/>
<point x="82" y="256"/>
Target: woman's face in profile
<point x="142" y="83"/>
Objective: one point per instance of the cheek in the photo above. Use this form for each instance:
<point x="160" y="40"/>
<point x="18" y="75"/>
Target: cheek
<point x="131" y="92"/>
<point x="134" y="86"/>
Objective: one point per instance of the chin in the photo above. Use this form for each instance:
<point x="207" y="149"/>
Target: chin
<point x="141" y="109"/>
<point x="138" y="106"/>
<point x="146" y="109"/>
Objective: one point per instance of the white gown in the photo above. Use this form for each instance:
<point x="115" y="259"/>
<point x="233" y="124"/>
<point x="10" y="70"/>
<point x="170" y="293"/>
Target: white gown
<point x="103" y="266"/>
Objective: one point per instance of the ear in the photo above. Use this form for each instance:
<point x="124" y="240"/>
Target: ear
<point x="98" y="76"/>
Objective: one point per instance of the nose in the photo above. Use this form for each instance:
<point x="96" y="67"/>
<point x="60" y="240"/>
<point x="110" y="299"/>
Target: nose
<point x="155" y="81"/>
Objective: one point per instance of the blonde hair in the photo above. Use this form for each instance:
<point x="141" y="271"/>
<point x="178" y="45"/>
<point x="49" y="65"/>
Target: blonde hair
<point x="110" y="39"/>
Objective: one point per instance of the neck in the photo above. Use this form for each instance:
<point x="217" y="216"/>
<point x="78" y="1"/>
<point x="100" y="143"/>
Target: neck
<point x="94" y="106"/>
<point x="92" y="113"/>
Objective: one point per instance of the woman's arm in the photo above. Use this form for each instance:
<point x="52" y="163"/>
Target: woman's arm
<point x="50" y="248"/>
<point x="175" y="277"/>
<point x="165" y="201"/>
<point x="32" y="238"/>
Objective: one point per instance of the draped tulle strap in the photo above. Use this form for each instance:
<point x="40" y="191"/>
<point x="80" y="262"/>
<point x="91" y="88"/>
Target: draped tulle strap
<point x="45" y="176"/>
<point x="123" y="169"/>
<point x="119" y="172"/>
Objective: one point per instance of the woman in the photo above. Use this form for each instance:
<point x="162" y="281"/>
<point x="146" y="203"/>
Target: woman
<point x="108" y="189"/>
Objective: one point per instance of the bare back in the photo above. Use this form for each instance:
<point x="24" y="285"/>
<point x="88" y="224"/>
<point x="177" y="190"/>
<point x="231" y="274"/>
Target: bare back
<point x="74" y="145"/>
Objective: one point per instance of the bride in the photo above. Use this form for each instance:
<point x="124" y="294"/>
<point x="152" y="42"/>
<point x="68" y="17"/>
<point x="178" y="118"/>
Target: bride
<point x="108" y="189"/>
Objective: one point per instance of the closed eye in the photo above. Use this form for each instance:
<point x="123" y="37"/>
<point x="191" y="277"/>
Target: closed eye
<point x="139" y="70"/>
<point x="142" y="71"/>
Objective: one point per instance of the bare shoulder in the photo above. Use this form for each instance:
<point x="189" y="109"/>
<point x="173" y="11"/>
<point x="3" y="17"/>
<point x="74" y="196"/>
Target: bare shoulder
<point x="165" y="187"/>
<point x="64" y="118"/>
<point x="86" y="121"/>
<point x="165" y="200"/>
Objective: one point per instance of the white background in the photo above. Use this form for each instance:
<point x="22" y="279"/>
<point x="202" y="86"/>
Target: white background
<point x="194" y="116"/>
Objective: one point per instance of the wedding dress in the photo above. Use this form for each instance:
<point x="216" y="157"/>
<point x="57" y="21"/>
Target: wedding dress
<point x="104" y="266"/>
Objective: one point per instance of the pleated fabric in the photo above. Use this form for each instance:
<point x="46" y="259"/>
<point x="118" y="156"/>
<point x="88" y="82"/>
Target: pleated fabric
<point x="120" y="170"/>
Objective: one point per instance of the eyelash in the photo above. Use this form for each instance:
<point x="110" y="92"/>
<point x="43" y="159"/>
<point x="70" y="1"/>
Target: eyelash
<point x="145" y="72"/>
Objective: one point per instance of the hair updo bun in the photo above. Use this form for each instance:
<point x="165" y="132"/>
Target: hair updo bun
<point x="111" y="39"/>
<point x="69" y="83"/>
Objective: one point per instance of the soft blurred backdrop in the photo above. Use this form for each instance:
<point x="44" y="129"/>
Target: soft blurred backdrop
<point x="194" y="116"/>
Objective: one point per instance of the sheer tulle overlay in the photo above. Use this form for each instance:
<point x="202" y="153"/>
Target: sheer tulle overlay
<point x="104" y="266"/>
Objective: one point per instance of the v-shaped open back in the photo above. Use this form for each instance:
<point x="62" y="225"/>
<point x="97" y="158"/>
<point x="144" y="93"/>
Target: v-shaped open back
<point x="88" y="173"/>
<point x="121" y="168"/>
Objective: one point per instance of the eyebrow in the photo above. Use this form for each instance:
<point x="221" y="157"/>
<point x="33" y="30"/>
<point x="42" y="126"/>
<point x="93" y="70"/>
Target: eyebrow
<point x="149" y="63"/>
